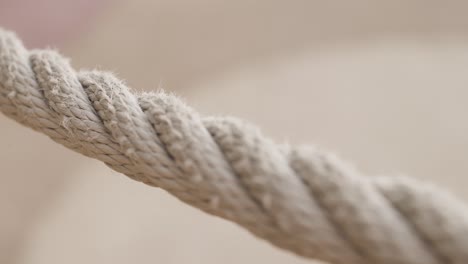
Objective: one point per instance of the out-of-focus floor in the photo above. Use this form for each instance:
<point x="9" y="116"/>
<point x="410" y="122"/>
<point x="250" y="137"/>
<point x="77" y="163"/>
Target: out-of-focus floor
<point x="384" y="84"/>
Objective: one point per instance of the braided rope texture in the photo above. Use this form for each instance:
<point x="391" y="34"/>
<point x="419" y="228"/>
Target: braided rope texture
<point x="299" y="198"/>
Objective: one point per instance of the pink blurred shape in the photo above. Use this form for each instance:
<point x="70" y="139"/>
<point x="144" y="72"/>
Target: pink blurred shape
<point x="48" y="22"/>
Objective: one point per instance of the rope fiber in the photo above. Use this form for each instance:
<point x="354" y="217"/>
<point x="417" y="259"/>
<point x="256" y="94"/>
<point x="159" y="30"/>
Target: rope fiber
<point x="301" y="199"/>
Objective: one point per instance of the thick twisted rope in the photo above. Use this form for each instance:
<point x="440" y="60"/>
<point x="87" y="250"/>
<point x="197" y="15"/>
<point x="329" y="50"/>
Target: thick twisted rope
<point x="300" y="199"/>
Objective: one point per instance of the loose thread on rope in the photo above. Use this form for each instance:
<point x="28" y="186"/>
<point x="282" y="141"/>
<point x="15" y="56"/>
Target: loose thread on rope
<point x="299" y="198"/>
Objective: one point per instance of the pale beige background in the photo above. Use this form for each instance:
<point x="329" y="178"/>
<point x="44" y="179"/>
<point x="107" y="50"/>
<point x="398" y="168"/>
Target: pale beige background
<point x="382" y="83"/>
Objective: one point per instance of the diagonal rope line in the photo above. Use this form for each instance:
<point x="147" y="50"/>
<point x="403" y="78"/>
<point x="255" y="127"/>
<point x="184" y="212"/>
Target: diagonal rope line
<point x="298" y="198"/>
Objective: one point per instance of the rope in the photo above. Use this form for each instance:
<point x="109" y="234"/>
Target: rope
<point x="299" y="198"/>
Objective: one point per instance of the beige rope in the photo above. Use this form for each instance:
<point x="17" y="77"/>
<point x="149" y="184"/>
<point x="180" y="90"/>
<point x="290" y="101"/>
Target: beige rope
<point x="298" y="198"/>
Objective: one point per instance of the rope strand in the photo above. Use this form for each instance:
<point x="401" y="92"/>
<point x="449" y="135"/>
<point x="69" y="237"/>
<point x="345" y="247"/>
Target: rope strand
<point x="299" y="198"/>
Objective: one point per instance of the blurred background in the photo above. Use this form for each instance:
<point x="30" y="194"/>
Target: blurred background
<point x="382" y="83"/>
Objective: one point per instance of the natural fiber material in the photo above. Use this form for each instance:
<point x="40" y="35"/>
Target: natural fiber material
<point x="299" y="198"/>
